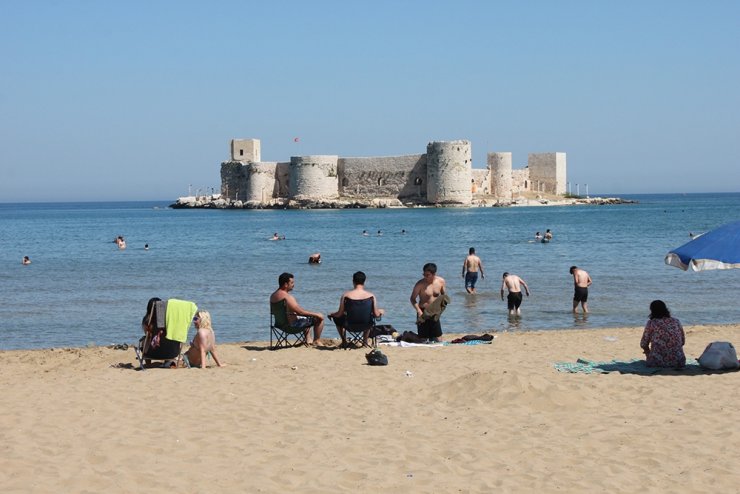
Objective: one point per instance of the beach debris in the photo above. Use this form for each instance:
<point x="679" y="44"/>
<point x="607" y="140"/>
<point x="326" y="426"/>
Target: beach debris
<point x="409" y="373"/>
<point x="295" y="367"/>
<point x="610" y="338"/>
<point x="254" y="359"/>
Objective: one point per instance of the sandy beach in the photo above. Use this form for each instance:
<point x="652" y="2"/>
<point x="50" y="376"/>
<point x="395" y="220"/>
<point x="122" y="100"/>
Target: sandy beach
<point x="480" y="418"/>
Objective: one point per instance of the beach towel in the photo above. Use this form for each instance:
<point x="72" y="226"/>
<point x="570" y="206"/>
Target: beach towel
<point x="407" y="344"/>
<point x="160" y="309"/>
<point x="436" y="308"/>
<point x="179" y="316"/>
<point x="633" y="366"/>
<point x="473" y="337"/>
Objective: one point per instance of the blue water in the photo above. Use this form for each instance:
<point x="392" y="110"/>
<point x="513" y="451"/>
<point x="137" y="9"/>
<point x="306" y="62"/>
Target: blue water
<point x="81" y="290"/>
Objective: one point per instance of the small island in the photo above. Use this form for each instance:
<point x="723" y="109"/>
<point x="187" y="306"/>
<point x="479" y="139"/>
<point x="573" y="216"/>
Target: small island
<point x="441" y="177"/>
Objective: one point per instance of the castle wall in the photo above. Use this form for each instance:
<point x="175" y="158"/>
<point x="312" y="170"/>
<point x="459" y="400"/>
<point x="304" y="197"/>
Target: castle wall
<point x="519" y="181"/>
<point x="501" y="175"/>
<point x="282" y="179"/>
<point x="386" y="176"/>
<point x="260" y="181"/>
<point x="444" y="175"/>
<point x="481" y="181"/>
<point x="314" y="177"/>
<point x="449" y="175"/>
<point x="245" y="150"/>
<point x="547" y="172"/>
<point x="233" y="180"/>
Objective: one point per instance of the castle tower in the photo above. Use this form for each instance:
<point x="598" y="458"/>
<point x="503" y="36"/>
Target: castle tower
<point x="547" y="172"/>
<point x="233" y="181"/>
<point x="501" y="173"/>
<point x="245" y="150"/>
<point x="314" y="177"/>
<point x="449" y="172"/>
<point x="260" y="181"/>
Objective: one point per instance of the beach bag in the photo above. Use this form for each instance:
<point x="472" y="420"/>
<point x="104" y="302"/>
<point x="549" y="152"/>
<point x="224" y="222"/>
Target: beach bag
<point x="376" y="357"/>
<point x="719" y="355"/>
<point x="382" y="329"/>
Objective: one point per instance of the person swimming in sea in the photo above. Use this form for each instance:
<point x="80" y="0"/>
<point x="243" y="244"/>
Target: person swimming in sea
<point x="26" y="261"/>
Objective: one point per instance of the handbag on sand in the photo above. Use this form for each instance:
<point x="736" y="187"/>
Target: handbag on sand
<point x="376" y="357"/>
<point x="719" y="355"/>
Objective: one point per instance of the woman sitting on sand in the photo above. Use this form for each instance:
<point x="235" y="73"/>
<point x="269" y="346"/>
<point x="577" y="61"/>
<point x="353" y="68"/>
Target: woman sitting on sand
<point x="204" y="342"/>
<point x="663" y="338"/>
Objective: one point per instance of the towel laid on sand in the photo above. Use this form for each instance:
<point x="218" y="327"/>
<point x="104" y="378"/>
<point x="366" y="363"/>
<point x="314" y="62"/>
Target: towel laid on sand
<point x="179" y="316"/>
<point x="634" y="366"/>
<point x="407" y="344"/>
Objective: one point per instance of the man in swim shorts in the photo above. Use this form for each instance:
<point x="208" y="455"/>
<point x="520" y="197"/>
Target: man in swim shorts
<point x="425" y="292"/>
<point x="581" y="282"/>
<point x="514" y="284"/>
<point x="471" y="266"/>
<point x="298" y="317"/>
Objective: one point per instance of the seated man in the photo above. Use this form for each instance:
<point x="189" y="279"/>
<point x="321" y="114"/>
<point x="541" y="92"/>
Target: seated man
<point x="298" y="317"/>
<point x="357" y="293"/>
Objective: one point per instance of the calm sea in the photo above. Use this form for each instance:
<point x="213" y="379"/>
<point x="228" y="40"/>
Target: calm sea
<point x="80" y="289"/>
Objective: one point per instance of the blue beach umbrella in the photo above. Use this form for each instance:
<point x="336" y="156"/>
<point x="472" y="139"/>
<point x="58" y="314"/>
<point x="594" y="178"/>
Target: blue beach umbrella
<point x="716" y="249"/>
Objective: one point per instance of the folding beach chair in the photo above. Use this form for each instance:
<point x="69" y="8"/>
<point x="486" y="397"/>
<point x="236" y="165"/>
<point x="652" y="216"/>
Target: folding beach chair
<point x="280" y="329"/>
<point x="359" y="319"/>
<point x="168" y="323"/>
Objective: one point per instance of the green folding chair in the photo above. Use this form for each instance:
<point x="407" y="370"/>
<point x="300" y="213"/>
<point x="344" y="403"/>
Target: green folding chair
<point x="281" y="332"/>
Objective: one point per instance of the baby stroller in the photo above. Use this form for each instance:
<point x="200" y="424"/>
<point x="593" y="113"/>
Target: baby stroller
<point x="165" y="325"/>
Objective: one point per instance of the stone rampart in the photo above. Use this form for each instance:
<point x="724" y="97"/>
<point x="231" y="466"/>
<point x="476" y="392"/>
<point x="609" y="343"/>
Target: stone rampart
<point x="449" y="176"/>
<point x="481" y="181"/>
<point x="399" y="177"/>
<point x="314" y="177"/>
<point x="501" y="175"/>
<point x="519" y="181"/>
<point x="233" y="181"/>
<point x="260" y="182"/>
<point x="547" y="172"/>
<point x="444" y="175"/>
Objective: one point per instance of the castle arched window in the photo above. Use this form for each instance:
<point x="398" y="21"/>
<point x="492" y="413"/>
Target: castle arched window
<point x="345" y="182"/>
<point x="381" y="181"/>
<point x="417" y="181"/>
<point x="525" y="184"/>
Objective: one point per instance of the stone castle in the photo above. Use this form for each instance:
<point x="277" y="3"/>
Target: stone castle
<point x="442" y="176"/>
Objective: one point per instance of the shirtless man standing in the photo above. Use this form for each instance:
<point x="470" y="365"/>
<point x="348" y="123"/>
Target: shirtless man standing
<point x="298" y="317"/>
<point x="425" y="292"/>
<point x="471" y="265"/>
<point x="514" y="285"/>
<point x="581" y="281"/>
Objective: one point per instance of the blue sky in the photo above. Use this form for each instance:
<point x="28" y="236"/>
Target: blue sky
<point x="137" y="100"/>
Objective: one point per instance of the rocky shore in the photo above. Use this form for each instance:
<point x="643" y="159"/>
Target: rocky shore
<point x="217" y="202"/>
